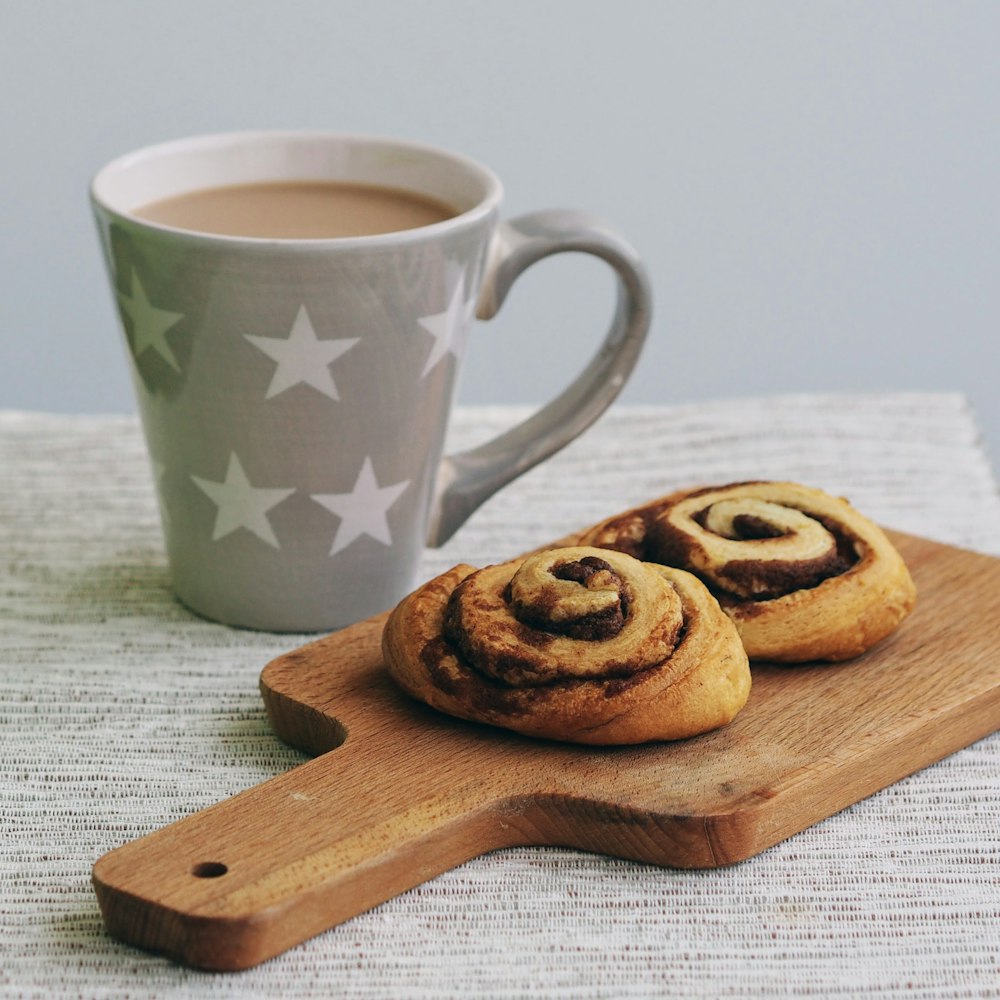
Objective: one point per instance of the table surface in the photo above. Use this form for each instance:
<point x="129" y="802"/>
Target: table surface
<point x="121" y="712"/>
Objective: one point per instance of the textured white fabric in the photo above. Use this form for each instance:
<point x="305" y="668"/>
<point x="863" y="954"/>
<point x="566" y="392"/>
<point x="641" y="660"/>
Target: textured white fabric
<point x="121" y="712"/>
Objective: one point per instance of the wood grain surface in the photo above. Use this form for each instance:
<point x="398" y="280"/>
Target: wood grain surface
<point x="398" y="793"/>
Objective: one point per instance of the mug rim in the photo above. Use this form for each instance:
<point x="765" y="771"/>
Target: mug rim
<point x="101" y="198"/>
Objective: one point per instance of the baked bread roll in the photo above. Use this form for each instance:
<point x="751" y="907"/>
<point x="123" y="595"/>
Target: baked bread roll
<point x="802" y="574"/>
<point x="573" y="644"/>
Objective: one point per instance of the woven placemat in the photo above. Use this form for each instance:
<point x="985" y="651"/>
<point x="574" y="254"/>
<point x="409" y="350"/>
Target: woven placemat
<point x="121" y="712"/>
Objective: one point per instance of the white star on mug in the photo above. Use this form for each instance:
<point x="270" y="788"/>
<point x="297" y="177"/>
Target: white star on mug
<point x="363" y="510"/>
<point x="447" y="327"/>
<point x="241" y="505"/>
<point x="149" y="324"/>
<point x="302" y="357"/>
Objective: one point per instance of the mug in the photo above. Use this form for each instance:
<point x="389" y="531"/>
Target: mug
<point x="294" y="393"/>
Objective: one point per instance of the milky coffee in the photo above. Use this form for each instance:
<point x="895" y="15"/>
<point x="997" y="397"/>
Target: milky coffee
<point x="297" y="210"/>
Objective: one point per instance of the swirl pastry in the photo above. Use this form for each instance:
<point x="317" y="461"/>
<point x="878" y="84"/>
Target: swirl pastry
<point x="573" y="644"/>
<point x="802" y="574"/>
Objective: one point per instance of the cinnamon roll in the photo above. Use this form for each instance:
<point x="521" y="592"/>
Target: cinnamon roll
<point x="574" y="644"/>
<point x="802" y="574"/>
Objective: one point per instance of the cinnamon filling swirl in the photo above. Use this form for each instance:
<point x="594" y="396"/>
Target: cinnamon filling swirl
<point x="750" y="547"/>
<point x="597" y="614"/>
<point x="568" y="614"/>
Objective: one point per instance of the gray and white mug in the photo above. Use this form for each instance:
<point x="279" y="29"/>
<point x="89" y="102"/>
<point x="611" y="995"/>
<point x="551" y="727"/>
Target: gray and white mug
<point x="295" y="393"/>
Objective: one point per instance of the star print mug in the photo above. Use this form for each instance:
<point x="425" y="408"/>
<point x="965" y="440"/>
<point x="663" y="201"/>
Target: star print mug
<point x="295" y="392"/>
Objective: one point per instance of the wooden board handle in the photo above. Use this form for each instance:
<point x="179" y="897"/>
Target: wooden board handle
<point x="233" y="885"/>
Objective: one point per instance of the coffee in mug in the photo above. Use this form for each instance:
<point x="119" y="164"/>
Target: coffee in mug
<point x="297" y="210"/>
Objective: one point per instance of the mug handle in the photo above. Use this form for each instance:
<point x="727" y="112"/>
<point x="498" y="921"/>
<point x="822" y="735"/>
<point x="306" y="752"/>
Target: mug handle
<point x="468" y="478"/>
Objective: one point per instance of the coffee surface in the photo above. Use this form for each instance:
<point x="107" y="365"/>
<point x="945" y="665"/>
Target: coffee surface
<point x="297" y="210"/>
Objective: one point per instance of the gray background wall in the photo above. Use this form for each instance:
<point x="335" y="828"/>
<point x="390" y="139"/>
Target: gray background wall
<point x="814" y="185"/>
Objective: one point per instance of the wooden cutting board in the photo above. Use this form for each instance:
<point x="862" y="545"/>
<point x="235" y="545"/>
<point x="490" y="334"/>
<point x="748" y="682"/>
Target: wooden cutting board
<point x="398" y="793"/>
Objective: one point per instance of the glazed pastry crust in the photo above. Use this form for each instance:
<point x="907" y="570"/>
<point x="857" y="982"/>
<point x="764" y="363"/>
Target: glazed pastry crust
<point x="792" y="599"/>
<point x="685" y="671"/>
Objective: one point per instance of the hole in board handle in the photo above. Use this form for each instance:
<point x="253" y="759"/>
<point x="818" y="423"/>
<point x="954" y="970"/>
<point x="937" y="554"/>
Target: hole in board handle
<point x="209" y="869"/>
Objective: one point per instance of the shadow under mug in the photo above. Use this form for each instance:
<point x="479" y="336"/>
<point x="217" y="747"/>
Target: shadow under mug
<point x="295" y="393"/>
